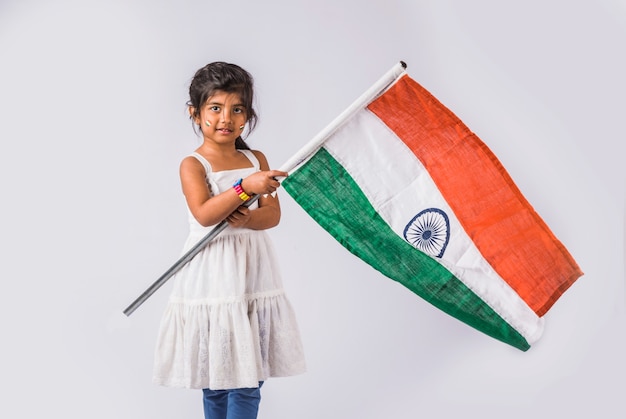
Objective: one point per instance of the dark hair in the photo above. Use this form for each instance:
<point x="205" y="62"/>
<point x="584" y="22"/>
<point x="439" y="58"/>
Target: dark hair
<point x="229" y="78"/>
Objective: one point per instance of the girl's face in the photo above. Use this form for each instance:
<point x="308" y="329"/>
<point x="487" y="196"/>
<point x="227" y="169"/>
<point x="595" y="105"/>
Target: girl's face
<point x="222" y="117"/>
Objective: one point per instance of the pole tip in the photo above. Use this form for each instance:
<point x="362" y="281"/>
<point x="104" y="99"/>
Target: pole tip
<point x="403" y="64"/>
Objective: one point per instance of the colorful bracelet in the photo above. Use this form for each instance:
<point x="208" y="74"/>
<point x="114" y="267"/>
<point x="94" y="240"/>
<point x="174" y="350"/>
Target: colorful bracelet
<point x="242" y="194"/>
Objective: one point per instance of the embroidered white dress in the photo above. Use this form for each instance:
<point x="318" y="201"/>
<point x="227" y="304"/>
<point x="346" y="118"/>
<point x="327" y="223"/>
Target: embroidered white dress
<point x="228" y="323"/>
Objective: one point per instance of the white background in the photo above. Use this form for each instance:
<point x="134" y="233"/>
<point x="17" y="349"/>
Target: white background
<point x="93" y="127"/>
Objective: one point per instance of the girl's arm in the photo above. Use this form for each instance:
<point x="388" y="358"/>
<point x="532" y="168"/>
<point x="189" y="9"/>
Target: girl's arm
<point x="209" y="210"/>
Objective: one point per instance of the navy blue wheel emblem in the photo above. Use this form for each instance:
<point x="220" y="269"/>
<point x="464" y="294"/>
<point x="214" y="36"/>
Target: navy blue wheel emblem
<point x="429" y="231"/>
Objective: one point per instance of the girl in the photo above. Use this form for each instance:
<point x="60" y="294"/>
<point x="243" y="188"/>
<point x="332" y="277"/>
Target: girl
<point x="228" y="325"/>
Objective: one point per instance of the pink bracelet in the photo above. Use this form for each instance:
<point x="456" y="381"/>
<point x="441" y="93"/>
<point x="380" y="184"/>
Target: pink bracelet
<point x="242" y="194"/>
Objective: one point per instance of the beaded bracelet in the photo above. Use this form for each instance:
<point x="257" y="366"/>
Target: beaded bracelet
<point x="242" y="194"/>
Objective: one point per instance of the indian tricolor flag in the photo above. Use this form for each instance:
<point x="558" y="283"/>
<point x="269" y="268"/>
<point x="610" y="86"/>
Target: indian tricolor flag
<point x="404" y="185"/>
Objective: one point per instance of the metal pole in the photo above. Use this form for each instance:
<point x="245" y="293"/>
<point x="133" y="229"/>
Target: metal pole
<point x="182" y="261"/>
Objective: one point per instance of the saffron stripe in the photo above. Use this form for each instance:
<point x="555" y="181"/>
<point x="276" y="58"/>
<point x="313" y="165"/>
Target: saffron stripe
<point x="504" y="226"/>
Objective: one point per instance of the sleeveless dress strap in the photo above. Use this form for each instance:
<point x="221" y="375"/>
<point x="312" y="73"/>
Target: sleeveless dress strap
<point x="205" y="162"/>
<point x="250" y="155"/>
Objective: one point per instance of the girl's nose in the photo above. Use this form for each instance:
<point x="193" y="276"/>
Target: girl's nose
<point x="225" y="116"/>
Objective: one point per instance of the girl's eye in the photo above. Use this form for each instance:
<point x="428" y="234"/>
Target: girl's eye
<point x="238" y="110"/>
<point x="215" y="108"/>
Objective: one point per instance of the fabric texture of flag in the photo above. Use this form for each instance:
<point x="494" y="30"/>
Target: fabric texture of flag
<point x="404" y="185"/>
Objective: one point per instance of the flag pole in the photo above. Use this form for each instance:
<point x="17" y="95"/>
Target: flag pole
<point x="305" y="152"/>
<point x="182" y="261"/>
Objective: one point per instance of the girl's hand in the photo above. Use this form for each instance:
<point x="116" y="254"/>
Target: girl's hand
<point x="262" y="183"/>
<point x="239" y="218"/>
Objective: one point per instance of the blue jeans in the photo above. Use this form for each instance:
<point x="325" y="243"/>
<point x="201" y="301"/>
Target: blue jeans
<point x="238" y="403"/>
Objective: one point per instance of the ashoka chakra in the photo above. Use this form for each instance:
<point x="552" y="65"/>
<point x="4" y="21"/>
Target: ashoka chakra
<point x="429" y="231"/>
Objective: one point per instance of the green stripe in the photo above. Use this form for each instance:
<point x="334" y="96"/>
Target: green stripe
<point x="332" y="198"/>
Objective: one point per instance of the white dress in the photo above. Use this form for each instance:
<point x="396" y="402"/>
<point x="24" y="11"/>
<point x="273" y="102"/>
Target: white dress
<point x="228" y="323"/>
